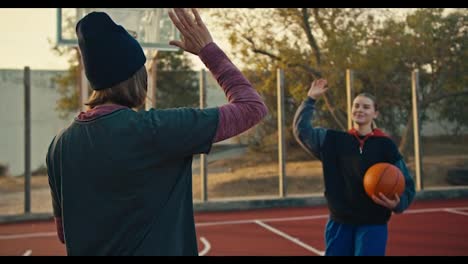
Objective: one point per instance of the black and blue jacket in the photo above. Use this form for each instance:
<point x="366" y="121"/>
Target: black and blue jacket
<point x="345" y="159"/>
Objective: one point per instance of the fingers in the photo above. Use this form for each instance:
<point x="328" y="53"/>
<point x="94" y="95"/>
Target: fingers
<point x="384" y="198"/>
<point x="182" y="20"/>
<point x="177" y="22"/>
<point x="183" y="17"/>
<point x="197" y="17"/>
<point x="177" y="43"/>
<point x="320" y="83"/>
<point x="386" y="202"/>
<point x="377" y="200"/>
<point x="317" y="88"/>
<point x="198" y="20"/>
<point x="194" y="34"/>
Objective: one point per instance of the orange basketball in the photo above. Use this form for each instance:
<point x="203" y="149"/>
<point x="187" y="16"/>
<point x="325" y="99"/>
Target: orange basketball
<point x="385" y="178"/>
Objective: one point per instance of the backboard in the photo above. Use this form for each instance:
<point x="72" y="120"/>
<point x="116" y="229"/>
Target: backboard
<point x="152" y="27"/>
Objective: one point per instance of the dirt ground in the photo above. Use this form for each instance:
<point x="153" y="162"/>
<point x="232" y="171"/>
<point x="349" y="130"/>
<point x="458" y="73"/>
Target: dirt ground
<point x="305" y="177"/>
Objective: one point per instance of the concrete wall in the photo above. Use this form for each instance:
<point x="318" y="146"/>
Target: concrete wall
<point x="45" y="122"/>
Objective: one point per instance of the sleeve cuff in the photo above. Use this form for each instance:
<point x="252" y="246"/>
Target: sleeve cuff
<point x="310" y="100"/>
<point x="211" y="55"/>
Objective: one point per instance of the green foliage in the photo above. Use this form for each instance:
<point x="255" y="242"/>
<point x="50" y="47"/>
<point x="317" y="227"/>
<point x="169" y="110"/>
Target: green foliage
<point x="381" y="48"/>
<point x="67" y="84"/>
<point x="177" y="83"/>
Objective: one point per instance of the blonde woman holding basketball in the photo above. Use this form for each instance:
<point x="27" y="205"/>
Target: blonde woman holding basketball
<point x="357" y="225"/>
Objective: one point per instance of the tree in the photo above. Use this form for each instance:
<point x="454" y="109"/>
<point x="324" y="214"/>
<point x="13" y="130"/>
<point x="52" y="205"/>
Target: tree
<point x="68" y="83"/>
<point x="434" y="44"/>
<point x="177" y="83"/>
<point x="307" y="43"/>
<point x="380" y="48"/>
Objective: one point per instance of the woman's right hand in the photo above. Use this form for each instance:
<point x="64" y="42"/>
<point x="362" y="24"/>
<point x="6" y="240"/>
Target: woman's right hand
<point x="317" y="88"/>
<point x="194" y="34"/>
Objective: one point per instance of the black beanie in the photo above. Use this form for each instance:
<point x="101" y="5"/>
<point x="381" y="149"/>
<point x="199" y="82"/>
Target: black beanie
<point x="110" y="54"/>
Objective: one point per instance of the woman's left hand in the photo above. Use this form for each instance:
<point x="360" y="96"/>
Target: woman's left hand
<point x="194" y="33"/>
<point x="386" y="202"/>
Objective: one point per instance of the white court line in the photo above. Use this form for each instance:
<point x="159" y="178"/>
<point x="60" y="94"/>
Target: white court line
<point x="248" y="221"/>
<point x="431" y="210"/>
<point x="292" y="239"/>
<point x="27" y="235"/>
<point x="27" y="252"/>
<point x="299" y="218"/>
<point x="206" y="248"/>
<point x="456" y="212"/>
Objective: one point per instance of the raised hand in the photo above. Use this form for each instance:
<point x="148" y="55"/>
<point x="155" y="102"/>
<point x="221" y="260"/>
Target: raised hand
<point x="194" y="34"/>
<point x="317" y="88"/>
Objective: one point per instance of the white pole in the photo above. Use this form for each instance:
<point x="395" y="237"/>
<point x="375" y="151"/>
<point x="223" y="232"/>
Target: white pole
<point x="417" y="138"/>
<point x="151" y="91"/>
<point x="203" y="160"/>
<point x="349" y="95"/>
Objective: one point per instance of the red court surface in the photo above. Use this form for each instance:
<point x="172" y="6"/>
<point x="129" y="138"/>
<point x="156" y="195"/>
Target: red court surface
<point x="428" y="228"/>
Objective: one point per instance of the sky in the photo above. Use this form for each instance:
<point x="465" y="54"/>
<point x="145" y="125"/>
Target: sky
<point x="28" y="35"/>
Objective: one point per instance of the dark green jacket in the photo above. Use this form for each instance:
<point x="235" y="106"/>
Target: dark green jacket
<point x="122" y="182"/>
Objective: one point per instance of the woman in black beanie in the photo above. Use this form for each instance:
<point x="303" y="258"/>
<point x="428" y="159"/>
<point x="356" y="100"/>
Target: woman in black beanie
<point x="121" y="180"/>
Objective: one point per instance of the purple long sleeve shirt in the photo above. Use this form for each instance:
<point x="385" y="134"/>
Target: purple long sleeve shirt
<point x="245" y="107"/>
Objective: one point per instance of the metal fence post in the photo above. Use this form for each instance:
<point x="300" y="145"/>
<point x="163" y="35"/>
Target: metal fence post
<point x="27" y="140"/>
<point x="281" y="139"/>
